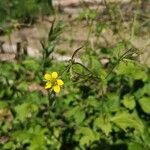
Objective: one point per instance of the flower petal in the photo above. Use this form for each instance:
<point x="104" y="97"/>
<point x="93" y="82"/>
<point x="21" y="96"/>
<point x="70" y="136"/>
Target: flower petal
<point x="60" y="82"/>
<point x="54" y="75"/>
<point x="56" y="88"/>
<point x="48" y="85"/>
<point x="48" y="76"/>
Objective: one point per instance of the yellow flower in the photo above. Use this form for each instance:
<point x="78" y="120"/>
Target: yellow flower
<point x="52" y="81"/>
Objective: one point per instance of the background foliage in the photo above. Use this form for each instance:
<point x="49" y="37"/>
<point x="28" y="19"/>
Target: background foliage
<point x="14" y="12"/>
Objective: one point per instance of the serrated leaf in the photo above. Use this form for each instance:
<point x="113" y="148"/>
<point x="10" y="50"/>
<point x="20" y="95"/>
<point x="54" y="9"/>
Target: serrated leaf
<point x="88" y="135"/>
<point x="71" y="112"/>
<point x="125" y="120"/>
<point x="79" y="116"/>
<point x="112" y="102"/>
<point x="85" y="140"/>
<point x="145" y="104"/>
<point x="38" y="138"/>
<point x="21" y="136"/>
<point x="25" y="110"/>
<point x="129" y="102"/>
<point x="91" y="101"/>
<point x="76" y="113"/>
<point x="133" y="70"/>
<point x="103" y="124"/>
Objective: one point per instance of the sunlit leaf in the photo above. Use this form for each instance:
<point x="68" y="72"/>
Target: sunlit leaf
<point x="145" y="104"/>
<point x="103" y="124"/>
<point x="125" y="120"/>
<point x="129" y="102"/>
<point x="133" y="70"/>
<point x="88" y="135"/>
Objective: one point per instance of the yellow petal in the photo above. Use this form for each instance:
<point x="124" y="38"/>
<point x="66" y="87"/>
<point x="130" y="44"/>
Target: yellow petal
<point x="54" y="75"/>
<point x="60" y="82"/>
<point x="48" y="85"/>
<point x="57" y="88"/>
<point x="47" y="76"/>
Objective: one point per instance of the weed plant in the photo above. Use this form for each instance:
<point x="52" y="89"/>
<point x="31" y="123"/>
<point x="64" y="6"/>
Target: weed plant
<point x="101" y="106"/>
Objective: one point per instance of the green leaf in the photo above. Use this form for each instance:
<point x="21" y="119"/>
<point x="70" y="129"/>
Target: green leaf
<point x="76" y="113"/>
<point x="21" y="136"/>
<point x="25" y="110"/>
<point x="143" y="91"/>
<point x="145" y="104"/>
<point x="117" y="51"/>
<point x="125" y="120"/>
<point x="129" y="102"/>
<point x="35" y="136"/>
<point x="85" y="140"/>
<point x="56" y="132"/>
<point x="146" y="136"/>
<point x="95" y="66"/>
<point x="72" y="111"/>
<point x="36" y="98"/>
<point x="31" y="65"/>
<point x="88" y="135"/>
<point x="23" y="86"/>
<point x="93" y="102"/>
<point x="8" y="145"/>
<point x="103" y="124"/>
<point x="112" y="102"/>
<point x="135" y="146"/>
<point x="38" y="139"/>
<point x="2" y="92"/>
<point x="6" y="70"/>
<point x="146" y="89"/>
<point x="133" y="70"/>
<point x="3" y="104"/>
<point x="79" y="116"/>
